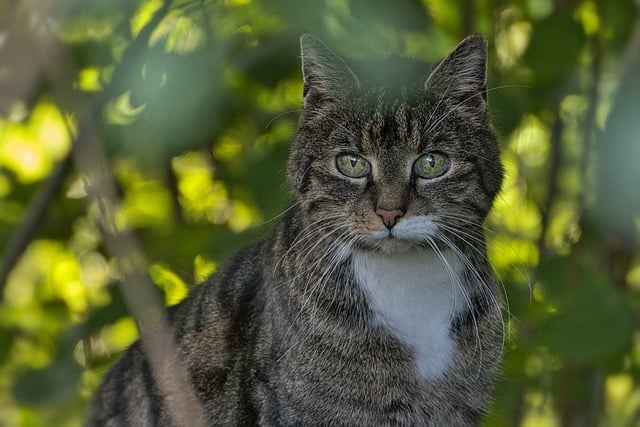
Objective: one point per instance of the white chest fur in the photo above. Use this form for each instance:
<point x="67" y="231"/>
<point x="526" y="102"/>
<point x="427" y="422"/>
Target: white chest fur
<point x="415" y="295"/>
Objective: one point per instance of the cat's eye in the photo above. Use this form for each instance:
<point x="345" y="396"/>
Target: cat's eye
<point x="431" y="165"/>
<point x="353" y="166"/>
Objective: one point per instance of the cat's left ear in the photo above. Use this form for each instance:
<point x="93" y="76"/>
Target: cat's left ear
<point x="462" y="75"/>
<point x="326" y="76"/>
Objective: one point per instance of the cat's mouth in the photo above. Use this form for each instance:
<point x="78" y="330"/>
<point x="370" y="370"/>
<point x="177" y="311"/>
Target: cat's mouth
<point x="408" y="234"/>
<point x="387" y="241"/>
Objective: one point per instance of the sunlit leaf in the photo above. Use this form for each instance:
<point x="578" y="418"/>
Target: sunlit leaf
<point x="587" y="12"/>
<point x="512" y="41"/>
<point x="89" y="80"/>
<point x="623" y="398"/>
<point x="203" y="268"/>
<point x="31" y="148"/>
<point x="121" y="111"/>
<point x="174" y="287"/>
<point x="180" y="33"/>
<point x="121" y="334"/>
<point x="144" y="14"/>
<point x="147" y="204"/>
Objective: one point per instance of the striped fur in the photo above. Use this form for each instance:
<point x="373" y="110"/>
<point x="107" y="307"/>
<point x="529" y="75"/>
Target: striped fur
<point x="317" y="324"/>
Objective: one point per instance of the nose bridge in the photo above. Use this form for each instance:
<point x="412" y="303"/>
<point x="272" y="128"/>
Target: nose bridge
<point x="392" y="185"/>
<point x="392" y="175"/>
<point x="392" y="197"/>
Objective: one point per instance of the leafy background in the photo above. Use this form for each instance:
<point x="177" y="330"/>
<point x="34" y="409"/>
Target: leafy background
<point x="145" y="139"/>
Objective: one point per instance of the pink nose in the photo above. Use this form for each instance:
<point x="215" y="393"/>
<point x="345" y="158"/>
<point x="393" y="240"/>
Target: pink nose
<point x="389" y="217"/>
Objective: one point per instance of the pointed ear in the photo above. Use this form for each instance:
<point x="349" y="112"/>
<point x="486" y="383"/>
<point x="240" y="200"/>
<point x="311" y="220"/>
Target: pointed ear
<point x="462" y="75"/>
<point x="325" y="75"/>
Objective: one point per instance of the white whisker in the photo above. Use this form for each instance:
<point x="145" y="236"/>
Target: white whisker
<point x="486" y="292"/>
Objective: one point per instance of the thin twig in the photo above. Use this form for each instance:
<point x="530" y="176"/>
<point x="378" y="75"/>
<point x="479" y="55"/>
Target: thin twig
<point x="555" y="166"/>
<point x="27" y="230"/>
<point x="588" y="140"/>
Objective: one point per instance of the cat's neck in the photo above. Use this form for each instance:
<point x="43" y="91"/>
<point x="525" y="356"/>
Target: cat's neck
<point x="415" y="296"/>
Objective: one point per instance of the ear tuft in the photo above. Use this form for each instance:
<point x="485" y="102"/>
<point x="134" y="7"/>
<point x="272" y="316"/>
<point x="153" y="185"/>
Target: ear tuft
<point x="462" y="75"/>
<point x="325" y="74"/>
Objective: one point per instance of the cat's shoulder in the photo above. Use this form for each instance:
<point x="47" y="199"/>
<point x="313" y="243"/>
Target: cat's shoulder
<point x="225" y="295"/>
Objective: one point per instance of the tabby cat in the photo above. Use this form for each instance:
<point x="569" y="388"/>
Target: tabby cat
<point x="372" y="302"/>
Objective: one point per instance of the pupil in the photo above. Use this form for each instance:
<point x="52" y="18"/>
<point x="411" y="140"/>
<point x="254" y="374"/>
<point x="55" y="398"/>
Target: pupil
<point x="431" y="160"/>
<point x="354" y="161"/>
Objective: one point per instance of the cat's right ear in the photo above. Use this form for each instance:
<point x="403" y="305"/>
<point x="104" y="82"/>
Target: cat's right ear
<point x="325" y="75"/>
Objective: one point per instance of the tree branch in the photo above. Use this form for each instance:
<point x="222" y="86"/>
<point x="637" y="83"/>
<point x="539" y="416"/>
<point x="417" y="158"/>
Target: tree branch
<point x="555" y="165"/>
<point x="26" y="231"/>
<point x="156" y="335"/>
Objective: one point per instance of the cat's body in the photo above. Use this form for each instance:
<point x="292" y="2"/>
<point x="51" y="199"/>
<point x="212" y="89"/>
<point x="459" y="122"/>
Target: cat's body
<point x="372" y="302"/>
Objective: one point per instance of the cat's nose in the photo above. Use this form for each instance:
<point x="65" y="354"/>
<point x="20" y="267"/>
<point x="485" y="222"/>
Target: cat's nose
<point x="389" y="217"/>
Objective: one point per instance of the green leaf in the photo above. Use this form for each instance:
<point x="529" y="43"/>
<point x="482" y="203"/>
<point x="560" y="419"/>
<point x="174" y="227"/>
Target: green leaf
<point x="594" y="319"/>
<point x="407" y="15"/>
<point x="6" y="339"/>
<point x="109" y="313"/>
<point x="48" y="386"/>
<point x="58" y="381"/>
<point x="554" y="48"/>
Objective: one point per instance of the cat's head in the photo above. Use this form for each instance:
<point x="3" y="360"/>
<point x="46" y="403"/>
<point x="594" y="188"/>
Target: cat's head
<point x="392" y="170"/>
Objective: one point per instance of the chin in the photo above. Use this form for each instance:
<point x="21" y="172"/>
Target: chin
<point x="392" y="246"/>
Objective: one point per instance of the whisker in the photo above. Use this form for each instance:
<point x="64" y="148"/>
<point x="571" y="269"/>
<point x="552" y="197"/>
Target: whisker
<point x="304" y="235"/>
<point x="455" y="107"/>
<point x="297" y="110"/>
<point x="447" y="114"/>
<point x="281" y="214"/>
<point x="333" y="256"/>
<point x="484" y="288"/>
<point x="463" y="236"/>
<point x="458" y="283"/>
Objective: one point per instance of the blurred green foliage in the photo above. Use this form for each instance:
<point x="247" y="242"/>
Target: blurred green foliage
<point x="195" y="103"/>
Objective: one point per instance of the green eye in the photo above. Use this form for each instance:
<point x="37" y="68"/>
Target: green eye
<point x="431" y="165"/>
<point x="353" y="166"/>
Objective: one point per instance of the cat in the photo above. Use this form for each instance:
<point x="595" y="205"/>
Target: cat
<point x="373" y="301"/>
